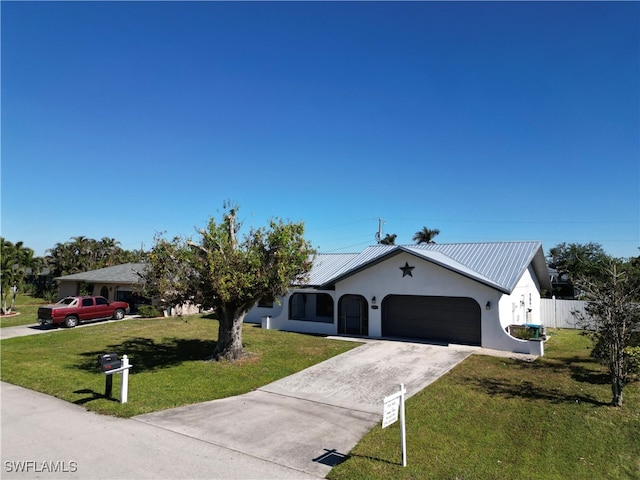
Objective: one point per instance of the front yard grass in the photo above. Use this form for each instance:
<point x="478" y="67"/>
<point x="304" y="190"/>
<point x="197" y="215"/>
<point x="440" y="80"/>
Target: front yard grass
<point x="27" y="308"/>
<point x="167" y="355"/>
<point x="497" y="418"/>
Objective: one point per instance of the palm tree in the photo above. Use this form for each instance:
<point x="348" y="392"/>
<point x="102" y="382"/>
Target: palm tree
<point x="389" y="239"/>
<point x="16" y="261"/>
<point x="425" y="235"/>
<point x="109" y="252"/>
<point x="62" y="259"/>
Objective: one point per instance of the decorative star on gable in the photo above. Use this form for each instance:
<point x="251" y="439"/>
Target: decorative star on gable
<point x="406" y="270"/>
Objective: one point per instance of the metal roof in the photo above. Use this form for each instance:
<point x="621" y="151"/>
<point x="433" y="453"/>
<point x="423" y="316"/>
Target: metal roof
<point x="499" y="264"/>
<point x="126" y="273"/>
<point x="327" y="265"/>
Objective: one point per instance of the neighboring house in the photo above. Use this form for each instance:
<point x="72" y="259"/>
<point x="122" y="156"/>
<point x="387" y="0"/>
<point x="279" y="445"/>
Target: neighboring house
<point x="561" y="287"/>
<point x="453" y="293"/>
<point x="119" y="282"/>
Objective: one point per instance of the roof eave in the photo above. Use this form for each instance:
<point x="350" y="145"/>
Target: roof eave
<point x="476" y="278"/>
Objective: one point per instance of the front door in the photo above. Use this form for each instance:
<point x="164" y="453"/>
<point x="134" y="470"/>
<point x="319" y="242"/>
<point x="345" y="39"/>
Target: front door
<point x="353" y="315"/>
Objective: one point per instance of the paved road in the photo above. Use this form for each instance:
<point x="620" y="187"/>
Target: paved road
<point x="44" y="437"/>
<point x="297" y="427"/>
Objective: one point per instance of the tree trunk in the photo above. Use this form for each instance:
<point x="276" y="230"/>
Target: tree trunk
<point x="617" y="369"/>
<point x="13" y="299"/>
<point x="4" y="309"/>
<point x="616" y="389"/>
<point x="229" y="346"/>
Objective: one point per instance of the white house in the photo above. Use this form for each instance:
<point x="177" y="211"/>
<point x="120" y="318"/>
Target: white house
<point x="453" y="293"/>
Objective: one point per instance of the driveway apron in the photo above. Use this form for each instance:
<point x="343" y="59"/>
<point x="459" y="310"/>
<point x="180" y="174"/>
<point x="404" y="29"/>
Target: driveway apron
<point x="311" y="420"/>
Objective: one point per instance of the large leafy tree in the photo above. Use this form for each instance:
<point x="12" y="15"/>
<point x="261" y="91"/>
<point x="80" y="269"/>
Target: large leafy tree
<point x="231" y="273"/>
<point x="575" y="259"/>
<point x="426" y="235"/>
<point x="612" y="290"/>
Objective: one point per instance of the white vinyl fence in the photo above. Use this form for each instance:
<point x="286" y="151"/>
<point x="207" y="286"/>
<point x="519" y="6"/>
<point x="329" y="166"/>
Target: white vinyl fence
<point x="556" y="313"/>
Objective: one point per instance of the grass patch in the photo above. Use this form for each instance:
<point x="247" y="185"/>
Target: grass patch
<point x="167" y="355"/>
<point x="496" y="418"/>
<point x="27" y="307"/>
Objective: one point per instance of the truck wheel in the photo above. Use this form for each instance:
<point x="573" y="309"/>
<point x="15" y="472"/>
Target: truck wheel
<point x="70" y="321"/>
<point x="118" y="314"/>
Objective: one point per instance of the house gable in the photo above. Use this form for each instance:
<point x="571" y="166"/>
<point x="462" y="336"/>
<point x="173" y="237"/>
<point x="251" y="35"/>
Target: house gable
<point x="498" y="265"/>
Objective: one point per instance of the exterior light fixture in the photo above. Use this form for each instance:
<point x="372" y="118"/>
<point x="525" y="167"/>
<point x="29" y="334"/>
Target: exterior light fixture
<point x="488" y="306"/>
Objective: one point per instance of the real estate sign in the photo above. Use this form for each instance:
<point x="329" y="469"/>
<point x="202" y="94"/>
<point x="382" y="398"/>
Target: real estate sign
<point x="391" y="409"/>
<point x="392" y="404"/>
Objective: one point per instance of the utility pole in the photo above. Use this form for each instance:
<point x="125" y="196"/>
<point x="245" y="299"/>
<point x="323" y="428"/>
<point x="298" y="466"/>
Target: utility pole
<point x="379" y="234"/>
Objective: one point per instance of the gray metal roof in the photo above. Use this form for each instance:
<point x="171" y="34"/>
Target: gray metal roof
<point x="326" y="265"/>
<point x="499" y="264"/>
<point x="126" y="273"/>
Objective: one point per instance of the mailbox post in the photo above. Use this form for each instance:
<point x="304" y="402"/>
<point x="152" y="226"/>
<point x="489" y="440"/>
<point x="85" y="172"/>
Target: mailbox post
<point x="110" y="364"/>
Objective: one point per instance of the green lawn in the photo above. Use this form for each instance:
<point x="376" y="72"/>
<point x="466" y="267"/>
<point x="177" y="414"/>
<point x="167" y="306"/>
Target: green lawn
<point x="488" y="418"/>
<point x="496" y="418"/>
<point x="27" y="307"/>
<point x="167" y="355"/>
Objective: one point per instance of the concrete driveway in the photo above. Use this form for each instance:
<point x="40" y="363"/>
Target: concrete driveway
<point x="311" y="420"/>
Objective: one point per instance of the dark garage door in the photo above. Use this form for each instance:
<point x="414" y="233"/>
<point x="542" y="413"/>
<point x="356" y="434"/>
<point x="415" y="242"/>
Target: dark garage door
<point x="441" y="319"/>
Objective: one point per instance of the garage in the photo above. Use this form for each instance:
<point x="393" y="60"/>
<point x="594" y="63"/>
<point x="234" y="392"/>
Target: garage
<point x="440" y="319"/>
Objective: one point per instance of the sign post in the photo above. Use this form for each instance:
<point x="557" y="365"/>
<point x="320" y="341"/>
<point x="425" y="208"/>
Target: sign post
<point x="392" y="404"/>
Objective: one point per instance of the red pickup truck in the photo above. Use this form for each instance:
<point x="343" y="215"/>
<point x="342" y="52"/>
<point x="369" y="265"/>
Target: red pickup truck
<point x="73" y="310"/>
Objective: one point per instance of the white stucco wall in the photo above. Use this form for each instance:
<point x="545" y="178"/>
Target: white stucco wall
<point x="256" y="313"/>
<point x="279" y="315"/>
<point x="385" y="278"/>
<point x="523" y="305"/>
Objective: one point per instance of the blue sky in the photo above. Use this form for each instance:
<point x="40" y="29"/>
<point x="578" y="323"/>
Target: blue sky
<point x="488" y="121"/>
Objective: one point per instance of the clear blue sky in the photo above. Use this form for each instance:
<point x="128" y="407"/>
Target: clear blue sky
<point x="488" y="121"/>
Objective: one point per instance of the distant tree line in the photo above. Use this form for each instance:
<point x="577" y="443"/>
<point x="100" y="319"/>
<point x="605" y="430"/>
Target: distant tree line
<point x="82" y="254"/>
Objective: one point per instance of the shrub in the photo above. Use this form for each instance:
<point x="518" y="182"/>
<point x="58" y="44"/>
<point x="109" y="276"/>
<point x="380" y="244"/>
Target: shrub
<point x="149" y="311"/>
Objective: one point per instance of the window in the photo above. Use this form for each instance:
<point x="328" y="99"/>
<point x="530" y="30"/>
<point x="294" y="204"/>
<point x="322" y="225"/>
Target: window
<point x="266" y="303"/>
<point x="101" y="301"/>
<point x="87" y="302"/>
<point x="311" y="307"/>
<point x="298" y="306"/>
<point x="324" y="305"/>
<point x="69" y="301"/>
